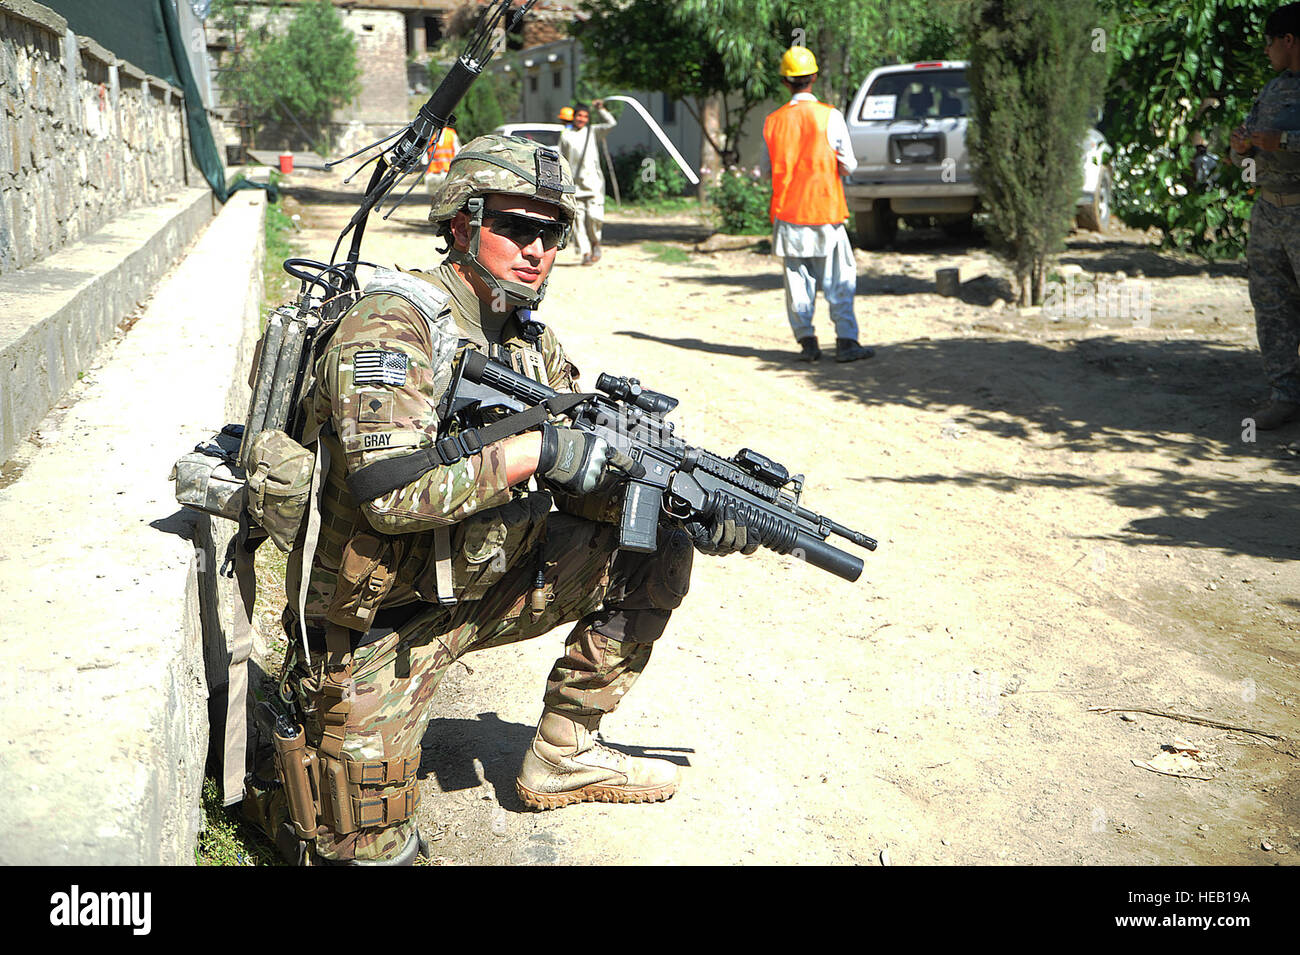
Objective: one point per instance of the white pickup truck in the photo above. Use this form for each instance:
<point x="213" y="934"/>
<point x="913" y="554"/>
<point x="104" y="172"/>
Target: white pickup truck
<point x="907" y="125"/>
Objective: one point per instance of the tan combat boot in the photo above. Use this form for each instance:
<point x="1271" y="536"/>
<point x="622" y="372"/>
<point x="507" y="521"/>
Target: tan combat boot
<point x="566" y="765"/>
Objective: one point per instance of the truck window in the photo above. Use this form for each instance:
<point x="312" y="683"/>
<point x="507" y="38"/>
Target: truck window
<point x="920" y="94"/>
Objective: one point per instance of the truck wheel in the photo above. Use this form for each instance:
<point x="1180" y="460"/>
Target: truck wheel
<point x="1095" y="217"/>
<point x="876" y="227"/>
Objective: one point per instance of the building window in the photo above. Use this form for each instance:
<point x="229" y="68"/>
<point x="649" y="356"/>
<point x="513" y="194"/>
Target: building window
<point x="532" y="83"/>
<point x="557" y="79"/>
<point x="670" y="110"/>
<point x="432" y="32"/>
<point x="515" y="36"/>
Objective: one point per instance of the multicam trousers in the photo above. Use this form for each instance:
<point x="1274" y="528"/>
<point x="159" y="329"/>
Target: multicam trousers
<point x="1273" y="259"/>
<point x="620" y="601"/>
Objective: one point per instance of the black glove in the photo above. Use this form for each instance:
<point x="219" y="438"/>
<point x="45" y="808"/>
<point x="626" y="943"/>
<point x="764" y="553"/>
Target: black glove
<point x="727" y="533"/>
<point x="574" y="461"/>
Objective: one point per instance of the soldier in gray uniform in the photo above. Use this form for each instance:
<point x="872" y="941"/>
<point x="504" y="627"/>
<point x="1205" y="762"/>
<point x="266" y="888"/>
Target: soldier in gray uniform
<point x="1270" y="138"/>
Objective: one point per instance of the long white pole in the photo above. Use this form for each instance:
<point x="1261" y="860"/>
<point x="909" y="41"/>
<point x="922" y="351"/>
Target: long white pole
<point x="654" y="127"/>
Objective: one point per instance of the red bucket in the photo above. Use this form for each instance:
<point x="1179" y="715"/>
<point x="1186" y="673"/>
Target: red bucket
<point x="286" y="162"/>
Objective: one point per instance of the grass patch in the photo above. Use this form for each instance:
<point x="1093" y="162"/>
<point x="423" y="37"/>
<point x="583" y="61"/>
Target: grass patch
<point x="667" y="254"/>
<point x="672" y="255"/>
<point x="278" y="285"/>
<point x="226" y="839"/>
<point x="669" y="205"/>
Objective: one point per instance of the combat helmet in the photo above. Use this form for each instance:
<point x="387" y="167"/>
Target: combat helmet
<point x="504" y="165"/>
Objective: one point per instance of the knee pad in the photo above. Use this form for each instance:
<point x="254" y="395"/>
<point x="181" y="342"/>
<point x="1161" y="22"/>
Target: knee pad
<point x="657" y="581"/>
<point x="632" y="626"/>
<point x="655" y="586"/>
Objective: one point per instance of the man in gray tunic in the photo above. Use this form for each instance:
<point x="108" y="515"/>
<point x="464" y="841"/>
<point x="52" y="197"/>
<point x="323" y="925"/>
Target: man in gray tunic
<point x="580" y="145"/>
<point x="1268" y="144"/>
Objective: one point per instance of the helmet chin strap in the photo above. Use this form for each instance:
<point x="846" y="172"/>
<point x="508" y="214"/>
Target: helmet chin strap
<point x="510" y="294"/>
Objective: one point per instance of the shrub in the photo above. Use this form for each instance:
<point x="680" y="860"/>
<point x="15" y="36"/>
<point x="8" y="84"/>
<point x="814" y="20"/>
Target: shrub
<point x="646" y="177"/>
<point x="742" y="202"/>
<point x="1036" y="73"/>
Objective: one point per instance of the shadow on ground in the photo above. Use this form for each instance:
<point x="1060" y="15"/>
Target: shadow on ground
<point x="309" y="195"/>
<point x="451" y="746"/>
<point x="1180" y="400"/>
<point x="628" y="231"/>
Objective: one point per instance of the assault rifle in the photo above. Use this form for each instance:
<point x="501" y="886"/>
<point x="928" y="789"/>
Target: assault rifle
<point x="668" y="476"/>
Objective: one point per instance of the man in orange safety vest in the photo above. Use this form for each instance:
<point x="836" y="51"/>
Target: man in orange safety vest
<point x="441" y="152"/>
<point x="808" y="150"/>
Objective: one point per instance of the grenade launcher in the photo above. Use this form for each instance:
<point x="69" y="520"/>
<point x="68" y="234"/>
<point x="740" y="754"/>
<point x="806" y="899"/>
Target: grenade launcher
<point x="669" y="477"/>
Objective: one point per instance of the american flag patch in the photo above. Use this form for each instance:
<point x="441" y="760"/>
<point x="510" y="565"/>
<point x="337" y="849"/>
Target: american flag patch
<point x="379" y="368"/>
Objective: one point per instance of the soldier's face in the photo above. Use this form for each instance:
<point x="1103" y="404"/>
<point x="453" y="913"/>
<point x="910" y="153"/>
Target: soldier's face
<point x="502" y="255"/>
<point x="1280" y="50"/>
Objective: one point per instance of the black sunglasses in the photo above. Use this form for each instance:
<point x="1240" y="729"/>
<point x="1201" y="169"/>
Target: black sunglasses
<point x="523" y="230"/>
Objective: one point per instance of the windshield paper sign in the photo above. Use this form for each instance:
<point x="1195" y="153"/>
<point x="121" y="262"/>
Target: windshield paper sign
<point x="879" y="107"/>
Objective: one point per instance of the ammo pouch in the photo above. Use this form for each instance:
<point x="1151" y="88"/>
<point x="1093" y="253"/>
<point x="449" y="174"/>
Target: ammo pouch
<point x="485" y="546"/>
<point x="279" y="485"/>
<point x="209" y="478"/>
<point x="275" y="489"/>
<point x="344" y="794"/>
<point x="366" y="574"/>
<point x="370" y="794"/>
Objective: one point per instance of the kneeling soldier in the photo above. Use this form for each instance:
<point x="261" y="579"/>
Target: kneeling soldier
<point x="470" y="554"/>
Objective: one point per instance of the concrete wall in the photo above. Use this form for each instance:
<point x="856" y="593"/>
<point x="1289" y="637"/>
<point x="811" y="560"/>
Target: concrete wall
<point x="117" y="622"/>
<point x="84" y="135"/>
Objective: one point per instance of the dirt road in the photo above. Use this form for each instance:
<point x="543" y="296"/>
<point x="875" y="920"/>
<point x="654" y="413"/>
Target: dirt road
<point x="1071" y="515"/>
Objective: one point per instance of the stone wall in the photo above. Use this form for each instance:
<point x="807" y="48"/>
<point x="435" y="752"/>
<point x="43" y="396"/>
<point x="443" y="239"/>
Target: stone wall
<point x="381" y="53"/>
<point x="84" y="135"/>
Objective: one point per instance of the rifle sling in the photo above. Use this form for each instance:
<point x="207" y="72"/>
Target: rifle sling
<point x="380" y="477"/>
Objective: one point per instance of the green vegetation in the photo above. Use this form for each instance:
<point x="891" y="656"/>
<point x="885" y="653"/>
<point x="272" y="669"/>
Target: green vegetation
<point x="742" y="202"/>
<point x="296" y="72"/>
<point x="647" y="177"/>
<point x="1035" y="79"/>
<point x="667" y="254"/>
<point x="480" y="111"/>
<point x="1188" y="67"/>
<point x="673" y="255"/>
<point x="670" y="206"/>
<point x="725" y="52"/>
<point x="226" y="839"/>
<point x="278" y="287"/>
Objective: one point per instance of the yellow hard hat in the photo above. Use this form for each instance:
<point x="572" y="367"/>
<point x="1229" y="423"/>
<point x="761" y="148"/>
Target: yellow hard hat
<point x="566" y="113"/>
<point x="798" y="61"/>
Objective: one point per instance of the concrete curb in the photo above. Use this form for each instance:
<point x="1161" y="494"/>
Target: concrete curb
<point x="109" y="586"/>
<point x="54" y="315"/>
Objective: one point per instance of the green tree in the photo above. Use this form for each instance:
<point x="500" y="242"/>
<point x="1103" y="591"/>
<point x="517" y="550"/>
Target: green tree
<point x="663" y="47"/>
<point x="850" y="38"/>
<point x="698" y="50"/>
<point x="1036" y="78"/>
<point x="1190" y="67"/>
<point x="294" y="68"/>
<point x="480" y="111"/>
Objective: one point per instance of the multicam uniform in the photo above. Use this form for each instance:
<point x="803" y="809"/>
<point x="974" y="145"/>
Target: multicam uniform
<point x="1273" y="255"/>
<point x="501" y="538"/>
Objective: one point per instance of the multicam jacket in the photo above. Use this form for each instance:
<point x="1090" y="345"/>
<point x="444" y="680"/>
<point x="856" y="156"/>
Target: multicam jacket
<point x="1278" y="107"/>
<point x="377" y="386"/>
